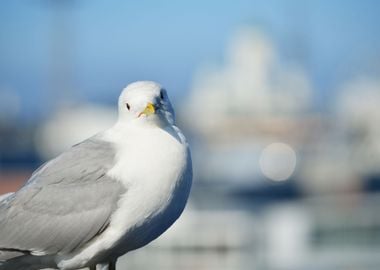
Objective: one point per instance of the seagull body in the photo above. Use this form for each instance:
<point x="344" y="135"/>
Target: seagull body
<point x="113" y="193"/>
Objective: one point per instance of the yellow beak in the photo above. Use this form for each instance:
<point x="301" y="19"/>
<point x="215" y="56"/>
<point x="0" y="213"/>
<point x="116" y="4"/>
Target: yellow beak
<point x="149" y="109"/>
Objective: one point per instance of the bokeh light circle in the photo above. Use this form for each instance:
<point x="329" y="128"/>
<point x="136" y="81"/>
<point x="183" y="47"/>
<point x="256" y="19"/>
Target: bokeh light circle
<point x="278" y="161"/>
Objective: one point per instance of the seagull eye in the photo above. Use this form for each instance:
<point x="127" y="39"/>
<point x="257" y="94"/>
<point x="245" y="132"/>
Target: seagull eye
<point x="128" y="107"/>
<point x="162" y="94"/>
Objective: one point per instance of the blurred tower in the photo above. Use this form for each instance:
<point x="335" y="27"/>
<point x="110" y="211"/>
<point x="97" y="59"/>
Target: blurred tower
<point x="60" y="83"/>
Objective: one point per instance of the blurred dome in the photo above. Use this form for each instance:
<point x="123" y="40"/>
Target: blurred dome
<point x="71" y="125"/>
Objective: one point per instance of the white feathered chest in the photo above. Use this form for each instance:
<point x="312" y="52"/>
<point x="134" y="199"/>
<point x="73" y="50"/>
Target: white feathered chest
<point x="158" y="183"/>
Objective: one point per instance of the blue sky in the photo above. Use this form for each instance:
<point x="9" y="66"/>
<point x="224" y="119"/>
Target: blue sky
<point x="104" y="45"/>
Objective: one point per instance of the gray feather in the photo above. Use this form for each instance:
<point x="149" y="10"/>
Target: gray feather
<point x="66" y="202"/>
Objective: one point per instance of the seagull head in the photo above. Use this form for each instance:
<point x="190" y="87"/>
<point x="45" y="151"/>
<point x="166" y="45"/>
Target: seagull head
<point x="145" y="102"/>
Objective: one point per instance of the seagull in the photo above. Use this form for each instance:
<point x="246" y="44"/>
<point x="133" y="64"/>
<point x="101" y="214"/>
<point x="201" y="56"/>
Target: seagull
<point x="110" y="194"/>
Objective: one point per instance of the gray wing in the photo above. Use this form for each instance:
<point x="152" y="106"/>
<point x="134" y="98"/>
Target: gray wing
<point x="65" y="204"/>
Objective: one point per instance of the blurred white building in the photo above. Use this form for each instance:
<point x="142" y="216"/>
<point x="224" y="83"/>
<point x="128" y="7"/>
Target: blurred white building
<point x="254" y="102"/>
<point x="358" y="112"/>
<point x="70" y="125"/>
<point x="240" y="109"/>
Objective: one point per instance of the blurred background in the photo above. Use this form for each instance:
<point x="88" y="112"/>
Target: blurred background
<point x="280" y="101"/>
